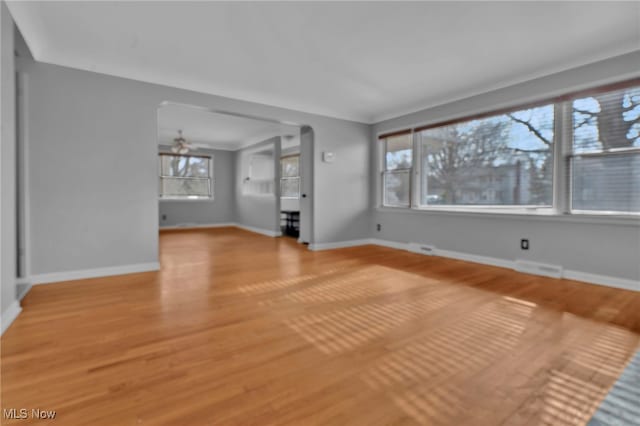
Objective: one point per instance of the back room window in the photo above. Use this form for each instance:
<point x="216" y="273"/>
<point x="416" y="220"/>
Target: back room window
<point x="186" y="177"/>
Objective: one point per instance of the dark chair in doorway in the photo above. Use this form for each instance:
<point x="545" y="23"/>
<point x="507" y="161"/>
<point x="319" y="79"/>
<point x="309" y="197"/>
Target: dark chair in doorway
<point x="290" y="223"/>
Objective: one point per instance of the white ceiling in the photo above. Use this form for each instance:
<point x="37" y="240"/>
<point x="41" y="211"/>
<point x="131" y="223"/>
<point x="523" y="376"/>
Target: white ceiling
<point x="364" y="61"/>
<point x="218" y="131"/>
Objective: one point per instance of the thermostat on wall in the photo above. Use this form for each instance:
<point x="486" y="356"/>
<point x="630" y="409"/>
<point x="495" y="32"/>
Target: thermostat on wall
<point x="328" y="157"/>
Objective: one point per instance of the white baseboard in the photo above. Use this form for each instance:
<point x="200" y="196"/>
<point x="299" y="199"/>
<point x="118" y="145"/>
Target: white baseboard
<point x="604" y="280"/>
<point x="267" y="232"/>
<point x="485" y="260"/>
<point x="94" y="273"/>
<point x="10" y="315"/>
<point x="56" y="277"/>
<point x="187" y="226"/>
<point x="537" y="268"/>
<point x="390" y="244"/>
<point x="339" y="244"/>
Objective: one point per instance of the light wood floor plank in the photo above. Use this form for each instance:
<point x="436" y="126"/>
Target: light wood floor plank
<point x="242" y="329"/>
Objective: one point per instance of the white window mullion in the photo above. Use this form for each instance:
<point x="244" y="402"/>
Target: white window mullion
<point x="562" y="147"/>
<point x="416" y="170"/>
<point x="383" y="168"/>
<point x="397" y="170"/>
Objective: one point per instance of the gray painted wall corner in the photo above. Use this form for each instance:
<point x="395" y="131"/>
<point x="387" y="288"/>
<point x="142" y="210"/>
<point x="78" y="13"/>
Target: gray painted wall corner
<point x="8" y="160"/>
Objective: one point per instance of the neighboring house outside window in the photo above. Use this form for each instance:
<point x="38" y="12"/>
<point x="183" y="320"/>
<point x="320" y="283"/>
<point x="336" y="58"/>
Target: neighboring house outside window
<point x="494" y="161"/>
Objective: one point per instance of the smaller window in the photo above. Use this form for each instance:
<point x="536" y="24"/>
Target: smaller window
<point x="396" y="175"/>
<point x="604" y="162"/>
<point x="185" y="177"/>
<point x="290" y="177"/>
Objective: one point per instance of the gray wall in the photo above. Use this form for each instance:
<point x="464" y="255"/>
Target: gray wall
<point x="8" y="166"/>
<point x="258" y="211"/>
<point x="93" y="176"/>
<point x="93" y="167"/>
<point x="205" y="212"/>
<point x="604" y="247"/>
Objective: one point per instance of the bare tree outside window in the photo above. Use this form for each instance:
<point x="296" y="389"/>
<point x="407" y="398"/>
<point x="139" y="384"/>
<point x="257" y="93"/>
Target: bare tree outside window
<point x="398" y="161"/>
<point x="185" y="177"/>
<point x="504" y="160"/>
<point x="605" y="167"/>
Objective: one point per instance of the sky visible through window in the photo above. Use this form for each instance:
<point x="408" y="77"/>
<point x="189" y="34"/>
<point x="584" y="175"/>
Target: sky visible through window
<point x="507" y="159"/>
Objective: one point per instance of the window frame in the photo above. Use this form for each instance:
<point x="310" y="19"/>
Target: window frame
<point x="594" y="154"/>
<point x="491" y="208"/>
<point x="189" y="198"/>
<point x="409" y="170"/>
<point x="569" y="154"/>
<point x="296" y="178"/>
<point x="561" y="174"/>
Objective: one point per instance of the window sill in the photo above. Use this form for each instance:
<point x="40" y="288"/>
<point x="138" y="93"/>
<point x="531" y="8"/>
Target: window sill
<point x="546" y="215"/>
<point x="188" y="200"/>
<point x="251" y="194"/>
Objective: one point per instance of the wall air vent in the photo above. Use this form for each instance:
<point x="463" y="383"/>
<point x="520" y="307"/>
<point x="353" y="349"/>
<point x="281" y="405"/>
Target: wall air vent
<point x="535" y="268"/>
<point x="422" y="249"/>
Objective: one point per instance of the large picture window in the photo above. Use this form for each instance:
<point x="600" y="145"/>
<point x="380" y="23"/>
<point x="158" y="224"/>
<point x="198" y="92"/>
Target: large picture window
<point x="185" y="177"/>
<point x="574" y="154"/>
<point x="398" y="161"/>
<point x="504" y="160"/>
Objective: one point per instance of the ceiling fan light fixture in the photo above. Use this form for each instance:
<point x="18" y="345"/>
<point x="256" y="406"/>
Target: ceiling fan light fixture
<point x="180" y="144"/>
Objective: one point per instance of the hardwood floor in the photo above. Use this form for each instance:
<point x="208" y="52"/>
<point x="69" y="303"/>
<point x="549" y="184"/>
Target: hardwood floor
<point x="241" y="329"/>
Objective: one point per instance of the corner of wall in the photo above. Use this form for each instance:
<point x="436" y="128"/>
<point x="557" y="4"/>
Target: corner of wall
<point x="8" y="251"/>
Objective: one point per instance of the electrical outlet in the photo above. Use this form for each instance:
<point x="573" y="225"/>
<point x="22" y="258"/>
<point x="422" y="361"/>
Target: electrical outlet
<point x="164" y="217"/>
<point x="524" y="244"/>
<point x="379" y="227"/>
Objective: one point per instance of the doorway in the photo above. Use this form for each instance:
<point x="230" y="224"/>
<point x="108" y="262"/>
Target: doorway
<point x="259" y="171"/>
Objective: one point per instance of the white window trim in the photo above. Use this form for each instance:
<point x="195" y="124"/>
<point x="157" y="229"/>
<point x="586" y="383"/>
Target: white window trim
<point x="561" y="208"/>
<point x="410" y="170"/>
<point x="192" y="199"/>
<point x="549" y="216"/>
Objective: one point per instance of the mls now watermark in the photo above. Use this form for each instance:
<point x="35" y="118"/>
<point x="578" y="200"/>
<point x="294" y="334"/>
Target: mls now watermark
<point x="25" y="413"/>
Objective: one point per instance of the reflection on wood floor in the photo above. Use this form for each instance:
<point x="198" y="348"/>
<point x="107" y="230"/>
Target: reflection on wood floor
<point x="241" y="329"/>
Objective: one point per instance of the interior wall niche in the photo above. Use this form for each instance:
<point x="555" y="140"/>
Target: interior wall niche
<point x="258" y="169"/>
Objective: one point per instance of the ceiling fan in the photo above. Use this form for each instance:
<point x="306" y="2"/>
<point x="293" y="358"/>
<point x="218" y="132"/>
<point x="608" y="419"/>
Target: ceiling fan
<point x="180" y="144"/>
